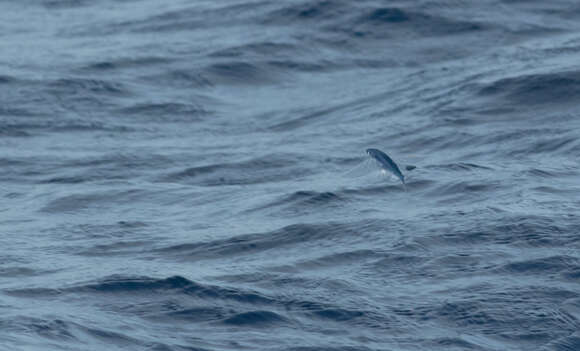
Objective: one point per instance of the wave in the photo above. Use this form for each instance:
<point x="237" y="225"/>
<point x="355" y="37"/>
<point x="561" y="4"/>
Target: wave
<point x="167" y="112"/>
<point x="239" y="72"/>
<point x="76" y="330"/>
<point x="187" y="18"/>
<point x="464" y="189"/>
<point x="546" y="265"/>
<point x="256" y="318"/>
<point x="36" y="127"/>
<point x="368" y="21"/>
<point x="79" y="202"/>
<point x="305" y="200"/>
<point x="569" y="343"/>
<point x="64" y="4"/>
<point x="88" y="86"/>
<point x="124" y="63"/>
<point x="536" y="89"/>
<point x="460" y="167"/>
<point x="252" y="171"/>
<point x="132" y="286"/>
<point x="550" y="144"/>
<point x="266" y="49"/>
<point x="260" y="242"/>
<point x="6" y="79"/>
<point x="516" y="231"/>
<point x="181" y="78"/>
<point x="177" y="298"/>
<point x="13" y="131"/>
<point x="393" y="21"/>
<point x="105" y="167"/>
<point x="328" y="348"/>
<point x="307" y="11"/>
<point x="339" y="315"/>
<point x="97" y="200"/>
<point x="19" y="271"/>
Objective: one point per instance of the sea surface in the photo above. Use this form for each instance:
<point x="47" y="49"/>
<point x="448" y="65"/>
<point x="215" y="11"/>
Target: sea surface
<point x="177" y="175"/>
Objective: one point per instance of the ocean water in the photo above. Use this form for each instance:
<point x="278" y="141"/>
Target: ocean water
<point x="175" y="175"/>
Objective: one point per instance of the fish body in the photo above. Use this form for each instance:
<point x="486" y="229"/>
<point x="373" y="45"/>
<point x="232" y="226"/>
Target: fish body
<point x="386" y="163"/>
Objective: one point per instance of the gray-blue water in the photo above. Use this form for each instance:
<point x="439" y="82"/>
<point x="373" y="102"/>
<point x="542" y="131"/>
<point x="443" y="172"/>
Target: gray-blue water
<point x="173" y="175"/>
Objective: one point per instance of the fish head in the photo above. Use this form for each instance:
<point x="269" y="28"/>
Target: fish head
<point x="371" y="152"/>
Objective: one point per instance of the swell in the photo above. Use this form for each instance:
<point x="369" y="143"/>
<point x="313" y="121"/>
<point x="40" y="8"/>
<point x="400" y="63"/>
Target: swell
<point x="529" y="320"/>
<point x="79" y="202"/>
<point x="523" y="231"/>
<point x="247" y="244"/>
<point x="239" y="72"/>
<point x="547" y="265"/>
<point x="535" y="89"/>
<point x="76" y="170"/>
<point x="7" y="79"/>
<point x="64" y="4"/>
<point x="186" y="18"/>
<point x="87" y="201"/>
<point x="167" y="112"/>
<point x="514" y="142"/>
<point x="124" y="63"/>
<point x="394" y="22"/>
<point x="177" y="299"/>
<point x="88" y="86"/>
<point x="303" y="200"/>
<point x="326" y="115"/>
<point x="464" y="190"/>
<point x="64" y="104"/>
<point x="273" y="168"/>
<point x="38" y="127"/>
<point x="78" y="331"/>
<point x="259" y="50"/>
<point x="245" y="70"/>
<point x="342" y="16"/>
<point x="146" y="286"/>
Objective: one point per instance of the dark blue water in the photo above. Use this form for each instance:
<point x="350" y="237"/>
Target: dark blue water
<point x="175" y="175"/>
